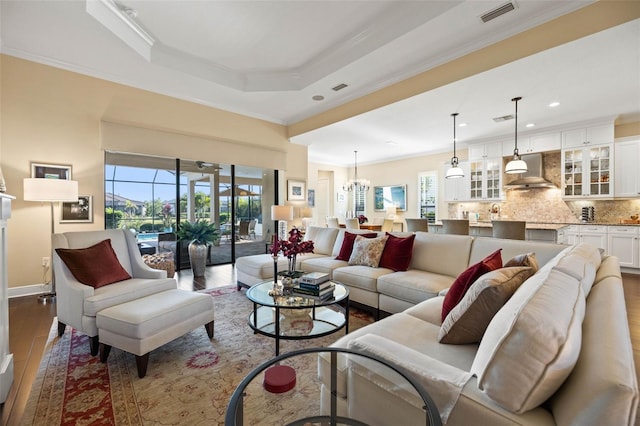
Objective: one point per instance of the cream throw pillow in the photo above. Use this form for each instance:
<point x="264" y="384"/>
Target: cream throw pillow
<point x="528" y="259"/>
<point x="468" y="320"/>
<point x="533" y="342"/>
<point x="367" y="251"/>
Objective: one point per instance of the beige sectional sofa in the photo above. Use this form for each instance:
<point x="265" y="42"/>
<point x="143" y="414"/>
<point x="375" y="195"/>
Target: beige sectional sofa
<point x="557" y="352"/>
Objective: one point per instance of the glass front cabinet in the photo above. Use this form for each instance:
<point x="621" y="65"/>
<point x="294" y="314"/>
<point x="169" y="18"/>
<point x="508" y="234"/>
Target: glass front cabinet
<point x="485" y="179"/>
<point x="587" y="172"/>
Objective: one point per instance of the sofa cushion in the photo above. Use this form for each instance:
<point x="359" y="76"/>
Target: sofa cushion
<point x="533" y="342"/>
<point x="397" y="252"/>
<point x="468" y="320"/>
<point x="96" y="265"/>
<point x="413" y="286"/>
<point x="367" y="251"/>
<point x="468" y="277"/>
<point x="323" y="239"/>
<point x="527" y="259"/>
<point x="359" y="276"/>
<point x="347" y="244"/>
<point x="441" y="254"/>
<point x="125" y="291"/>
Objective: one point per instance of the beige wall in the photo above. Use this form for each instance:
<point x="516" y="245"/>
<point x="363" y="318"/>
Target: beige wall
<point x="50" y="115"/>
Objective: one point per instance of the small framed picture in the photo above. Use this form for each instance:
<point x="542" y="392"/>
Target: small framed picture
<point x="311" y="197"/>
<point x="77" y="211"/>
<point x="341" y="197"/>
<point x="296" y="190"/>
<point x="50" y="171"/>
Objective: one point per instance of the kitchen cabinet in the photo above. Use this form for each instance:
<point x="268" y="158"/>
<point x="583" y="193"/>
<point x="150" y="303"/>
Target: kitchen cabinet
<point x="456" y="189"/>
<point x="486" y="150"/>
<point x="627" y="173"/>
<point x="587" y="172"/>
<point x="594" y="135"/>
<point x="532" y="144"/>
<point x="595" y="235"/>
<point x="624" y="243"/>
<point x="485" y="179"/>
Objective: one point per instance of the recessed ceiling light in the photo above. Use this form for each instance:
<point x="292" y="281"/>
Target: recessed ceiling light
<point x="392" y="143"/>
<point x="530" y="125"/>
<point x="462" y="125"/>
<point x="554" y="104"/>
<point x="317" y="98"/>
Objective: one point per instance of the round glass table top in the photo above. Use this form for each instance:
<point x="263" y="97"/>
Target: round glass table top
<point x="259" y="293"/>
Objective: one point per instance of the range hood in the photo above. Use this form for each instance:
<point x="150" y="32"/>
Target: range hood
<point x="533" y="178"/>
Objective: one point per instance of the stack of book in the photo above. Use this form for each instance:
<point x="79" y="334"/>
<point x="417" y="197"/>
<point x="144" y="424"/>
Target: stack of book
<point x="315" y="285"/>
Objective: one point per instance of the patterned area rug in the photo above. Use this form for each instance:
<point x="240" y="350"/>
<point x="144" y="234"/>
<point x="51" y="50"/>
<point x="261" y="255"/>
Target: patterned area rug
<point x="189" y="381"/>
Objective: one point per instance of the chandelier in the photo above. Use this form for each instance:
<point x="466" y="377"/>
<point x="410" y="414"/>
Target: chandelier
<point x="355" y="184"/>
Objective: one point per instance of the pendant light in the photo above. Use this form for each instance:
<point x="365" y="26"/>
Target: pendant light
<point x="516" y="165"/>
<point x="454" y="171"/>
<point x="355" y="184"/>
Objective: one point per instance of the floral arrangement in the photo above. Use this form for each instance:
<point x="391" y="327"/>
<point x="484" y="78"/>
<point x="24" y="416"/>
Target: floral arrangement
<point x="362" y="219"/>
<point x="292" y="247"/>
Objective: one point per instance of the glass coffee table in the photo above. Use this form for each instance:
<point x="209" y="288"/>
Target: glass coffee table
<point x="297" y="317"/>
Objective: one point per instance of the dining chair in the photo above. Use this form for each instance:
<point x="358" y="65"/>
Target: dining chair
<point x="387" y="225"/>
<point x="352" y="223"/>
<point x="332" y="222"/>
<point x="510" y="229"/>
<point x="456" y="226"/>
<point x="414" y="225"/>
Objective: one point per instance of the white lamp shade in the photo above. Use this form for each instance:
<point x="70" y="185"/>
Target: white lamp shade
<point x="282" y="212"/>
<point x="515" y="166"/>
<point x="454" y="173"/>
<point x="50" y="190"/>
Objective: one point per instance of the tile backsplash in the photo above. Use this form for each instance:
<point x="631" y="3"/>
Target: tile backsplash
<point x="547" y="205"/>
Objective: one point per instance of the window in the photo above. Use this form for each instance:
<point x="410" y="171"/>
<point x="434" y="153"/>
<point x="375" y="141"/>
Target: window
<point x="428" y="195"/>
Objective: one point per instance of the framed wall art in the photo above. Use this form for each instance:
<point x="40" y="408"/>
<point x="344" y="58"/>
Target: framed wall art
<point x="296" y="190"/>
<point x="311" y="197"/>
<point x="390" y="196"/>
<point x="77" y="211"/>
<point x="50" y="171"/>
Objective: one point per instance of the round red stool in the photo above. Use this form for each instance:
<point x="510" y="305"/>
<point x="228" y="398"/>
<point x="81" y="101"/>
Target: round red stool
<point x="279" y="379"/>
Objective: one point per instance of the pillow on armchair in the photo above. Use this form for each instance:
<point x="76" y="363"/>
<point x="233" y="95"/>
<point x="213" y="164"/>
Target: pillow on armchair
<point x="96" y="266"/>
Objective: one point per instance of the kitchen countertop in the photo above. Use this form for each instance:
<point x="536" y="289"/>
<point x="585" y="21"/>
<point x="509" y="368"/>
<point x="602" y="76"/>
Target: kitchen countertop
<point x="541" y="225"/>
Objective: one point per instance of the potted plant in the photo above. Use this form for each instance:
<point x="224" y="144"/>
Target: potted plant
<point x="199" y="234"/>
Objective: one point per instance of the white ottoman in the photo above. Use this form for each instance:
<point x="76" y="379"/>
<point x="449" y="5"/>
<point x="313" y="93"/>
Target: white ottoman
<point x="144" y="324"/>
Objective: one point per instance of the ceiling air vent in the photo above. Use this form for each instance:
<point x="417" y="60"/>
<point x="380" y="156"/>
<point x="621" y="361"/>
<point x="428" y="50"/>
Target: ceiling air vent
<point x="503" y="118"/>
<point x="498" y="11"/>
<point x="339" y="87"/>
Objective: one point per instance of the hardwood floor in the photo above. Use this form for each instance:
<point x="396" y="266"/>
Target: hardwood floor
<point x="30" y="323"/>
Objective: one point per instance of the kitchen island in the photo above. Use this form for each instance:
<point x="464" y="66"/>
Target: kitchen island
<point x="549" y="232"/>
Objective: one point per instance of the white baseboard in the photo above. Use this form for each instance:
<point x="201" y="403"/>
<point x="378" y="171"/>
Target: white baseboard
<point x="27" y="290"/>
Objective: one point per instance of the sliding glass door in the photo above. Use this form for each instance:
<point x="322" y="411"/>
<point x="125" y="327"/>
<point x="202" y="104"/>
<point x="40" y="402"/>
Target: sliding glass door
<point x="152" y="196"/>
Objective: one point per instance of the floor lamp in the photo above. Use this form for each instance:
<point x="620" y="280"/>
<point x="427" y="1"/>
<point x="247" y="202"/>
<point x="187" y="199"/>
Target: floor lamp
<point x="51" y="191"/>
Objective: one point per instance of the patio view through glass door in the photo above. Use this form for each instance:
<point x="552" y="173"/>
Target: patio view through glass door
<point x="152" y="195"/>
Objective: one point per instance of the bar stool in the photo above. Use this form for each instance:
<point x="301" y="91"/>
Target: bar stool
<point x="509" y="229"/>
<point x="456" y="226"/>
<point x="414" y="225"/>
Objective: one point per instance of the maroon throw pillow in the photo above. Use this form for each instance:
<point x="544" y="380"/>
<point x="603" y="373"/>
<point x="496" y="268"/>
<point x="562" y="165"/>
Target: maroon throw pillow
<point x="96" y="266"/>
<point x="347" y="244"/>
<point x="397" y="252"/>
<point x="460" y="286"/>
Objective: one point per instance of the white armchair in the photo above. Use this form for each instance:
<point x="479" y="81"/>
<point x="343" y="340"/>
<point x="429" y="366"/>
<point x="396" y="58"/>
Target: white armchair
<point x="78" y="303"/>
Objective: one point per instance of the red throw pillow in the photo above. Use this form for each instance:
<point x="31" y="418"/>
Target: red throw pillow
<point x="460" y="286"/>
<point x="96" y="266"/>
<point x="347" y="244"/>
<point x="397" y="252"/>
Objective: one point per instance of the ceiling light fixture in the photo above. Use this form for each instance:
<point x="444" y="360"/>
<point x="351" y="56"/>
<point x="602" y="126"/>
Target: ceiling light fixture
<point x="355" y="184"/>
<point x="516" y="165"/>
<point x="317" y="98"/>
<point x="554" y="104"/>
<point x="454" y="171"/>
<point x="531" y="125"/>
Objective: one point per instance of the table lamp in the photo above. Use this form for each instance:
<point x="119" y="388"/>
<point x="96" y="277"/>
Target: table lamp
<point x="51" y="191"/>
<point x="282" y="214"/>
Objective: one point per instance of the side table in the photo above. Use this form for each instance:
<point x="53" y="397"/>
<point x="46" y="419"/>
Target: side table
<point x="251" y="403"/>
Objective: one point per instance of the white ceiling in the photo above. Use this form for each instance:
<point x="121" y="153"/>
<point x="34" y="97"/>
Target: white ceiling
<point x="266" y="59"/>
